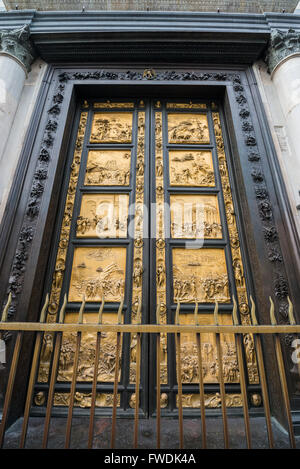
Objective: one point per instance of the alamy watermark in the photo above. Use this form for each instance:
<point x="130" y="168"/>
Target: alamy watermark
<point x="193" y="221"/>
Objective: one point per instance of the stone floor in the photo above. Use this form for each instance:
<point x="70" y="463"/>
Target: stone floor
<point x="147" y="434"/>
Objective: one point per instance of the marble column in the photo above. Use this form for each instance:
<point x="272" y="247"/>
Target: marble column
<point x="283" y="61"/>
<point x="16" y="57"/>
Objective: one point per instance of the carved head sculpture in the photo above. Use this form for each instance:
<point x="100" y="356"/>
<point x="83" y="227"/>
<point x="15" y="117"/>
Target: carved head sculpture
<point x="256" y="400"/>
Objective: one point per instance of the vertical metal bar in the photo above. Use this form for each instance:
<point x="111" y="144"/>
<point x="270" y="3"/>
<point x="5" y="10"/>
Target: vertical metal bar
<point x="10" y="386"/>
<point x="11" y="378"/>
<point x="74" y="379"/>
<point x="95" y="379"/>
<point x="221" y="381"/>
<point x="5" y="310"/>
<point x="53" y="375"/>
<point x="238" y="342"/>
<point x="262" y="374"/>
<point x="33" y="372"/>
<point x="179" y="380"/>
<point x="158" y="378"/>
<point x="201" y="382"/>
<point x="116" y="380"/>
<point x="137" y="389"/>
<point x="137" y="377"/>
<point x="282" y="375"/>
<point x="284" y="390"/>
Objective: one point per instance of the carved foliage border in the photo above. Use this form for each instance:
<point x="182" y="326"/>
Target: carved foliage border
<point x="18" y="270"/>
<point x="30" y="221"/>
<point x="264" y="206"/>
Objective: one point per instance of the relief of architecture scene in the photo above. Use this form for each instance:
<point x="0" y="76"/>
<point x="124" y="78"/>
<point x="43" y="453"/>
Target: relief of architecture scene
<point x="201" y="276"/>
<point x="84" y="399"/>
<point x="195" y="216"/>
<point x="98" y="272"/>
<point x="103" y="216"/>
<point x="108" y="168"/>
<point x="191" y="168"/>
<point x="188" y="128"/>
<point x="112" y="128"/>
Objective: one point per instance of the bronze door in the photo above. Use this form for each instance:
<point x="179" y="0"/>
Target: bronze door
<point x="147" y="221"/>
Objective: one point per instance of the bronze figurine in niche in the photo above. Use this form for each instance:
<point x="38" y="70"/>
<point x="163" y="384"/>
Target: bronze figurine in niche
<point x="195" y="216"/>
<point x="200" y="275"/>
<point x="188" y="128"/>
<point x="112" y="127"/>
<point x="98" y="272"/>
<point x="191" y="168"/>
<point x="103" y="216"/>
<point x="108" y="168"/>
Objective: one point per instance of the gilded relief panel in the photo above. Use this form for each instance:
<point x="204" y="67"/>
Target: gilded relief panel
<point x="103" y="216"/>
<point x="210" y="366"/>
<point x="195" y="216"/>
<point x="110" y="105"/>
<point x="84" y="399"/>
<point x="112" y="127"/>
<point x="107" y="361"/>
<point x="191" y="168"/>
<point x="98" y="272"/>
<point x="188" y="128"/>
<point x="189" y="105"/>
<point x="138" y="270"/>
<point x="108" y="168"/>
<point x="200" y="276"/>
<point x="211" y="401"/>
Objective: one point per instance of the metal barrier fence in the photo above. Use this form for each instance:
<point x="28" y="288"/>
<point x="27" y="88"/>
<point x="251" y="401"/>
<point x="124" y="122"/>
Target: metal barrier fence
<point x="257" y="331"/>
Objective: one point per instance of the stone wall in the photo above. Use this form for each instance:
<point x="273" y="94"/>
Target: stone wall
<point x="242" y="6"/>
<point x="15" y="142"/>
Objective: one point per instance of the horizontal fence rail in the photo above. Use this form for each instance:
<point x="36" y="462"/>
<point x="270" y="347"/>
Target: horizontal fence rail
<point x="258" y="331"/>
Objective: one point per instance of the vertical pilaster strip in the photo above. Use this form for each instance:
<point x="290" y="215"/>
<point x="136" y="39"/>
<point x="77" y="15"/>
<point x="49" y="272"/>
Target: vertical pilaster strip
<point x="160" y="238"/>
<point x="137" y="281"/>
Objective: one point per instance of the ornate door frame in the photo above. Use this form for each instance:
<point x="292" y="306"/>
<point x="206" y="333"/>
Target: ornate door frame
<point x="261" y="198"/>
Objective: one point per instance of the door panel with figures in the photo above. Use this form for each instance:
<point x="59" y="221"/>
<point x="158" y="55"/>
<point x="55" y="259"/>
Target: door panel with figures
<point x="147" y="224"/>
